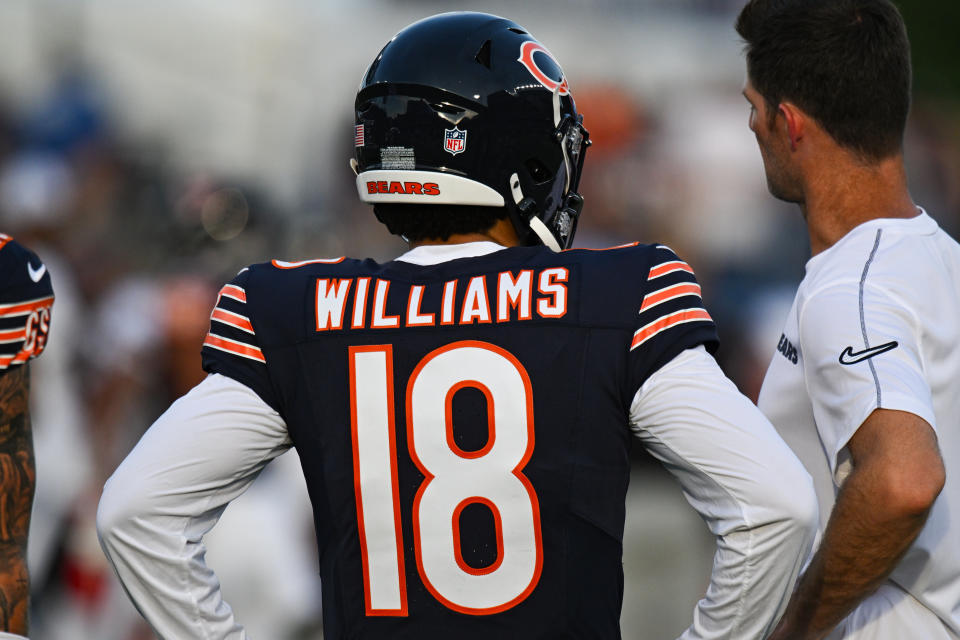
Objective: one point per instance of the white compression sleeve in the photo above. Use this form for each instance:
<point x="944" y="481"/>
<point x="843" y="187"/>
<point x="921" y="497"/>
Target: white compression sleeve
<point x="170" y="491"/>
<point x="745" y="483"/>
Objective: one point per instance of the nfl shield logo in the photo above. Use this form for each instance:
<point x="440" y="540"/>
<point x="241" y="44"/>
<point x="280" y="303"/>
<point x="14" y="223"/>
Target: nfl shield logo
<point x="454" y="140"/>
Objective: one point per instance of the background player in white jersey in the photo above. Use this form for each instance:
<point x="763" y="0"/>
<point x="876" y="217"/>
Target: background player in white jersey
<point x="26" y="297"/>
<point x="867" y="367"/>
<point x="463" y="413"/>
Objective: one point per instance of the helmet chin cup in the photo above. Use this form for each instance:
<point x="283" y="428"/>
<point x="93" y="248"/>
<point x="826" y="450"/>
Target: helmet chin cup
<point x="527" y="208"/>
<point x="565" y="222"/>
<point x="558" y="233"/>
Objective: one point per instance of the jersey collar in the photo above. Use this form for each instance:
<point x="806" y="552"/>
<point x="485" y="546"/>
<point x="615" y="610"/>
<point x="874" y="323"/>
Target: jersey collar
<point x="428" y="254"/>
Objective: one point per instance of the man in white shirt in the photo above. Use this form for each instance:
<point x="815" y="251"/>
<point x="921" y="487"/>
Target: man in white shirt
<point x="463" y="414"/>
<point x="863" y="383"/>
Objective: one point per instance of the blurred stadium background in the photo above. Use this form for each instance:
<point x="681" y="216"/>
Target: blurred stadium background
<point x="149" y="150"/>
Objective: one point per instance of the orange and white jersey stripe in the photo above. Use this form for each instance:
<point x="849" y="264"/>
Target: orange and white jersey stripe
<point x="667" y="322"/>
<point x="668" y="293"/>
<point x="234" y="347"/>
<point x="234" y="292"/>
<point x="666" y="268"/>
<point x="14" y="335"/>
<point x="672" y="298"/>
<point x="25" y="307"/>
<point x="231" y="330"/>
<point x="232" y="319"/>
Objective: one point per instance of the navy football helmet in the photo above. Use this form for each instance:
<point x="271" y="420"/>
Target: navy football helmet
<point x="469" y="109"/>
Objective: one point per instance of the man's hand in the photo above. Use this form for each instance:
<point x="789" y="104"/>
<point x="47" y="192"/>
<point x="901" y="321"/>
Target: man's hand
<point x="880" y="509"/>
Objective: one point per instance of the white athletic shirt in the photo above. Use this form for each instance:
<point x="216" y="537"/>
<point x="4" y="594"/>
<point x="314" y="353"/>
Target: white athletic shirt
<point x="748" y="486"/>
<point x="876" y="324"/>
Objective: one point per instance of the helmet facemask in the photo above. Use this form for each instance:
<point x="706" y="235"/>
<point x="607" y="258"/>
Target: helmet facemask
<point x="553" y="220"/>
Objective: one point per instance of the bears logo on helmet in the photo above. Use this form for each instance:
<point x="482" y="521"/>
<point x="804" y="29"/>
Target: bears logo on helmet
<point x="527" y="59"/>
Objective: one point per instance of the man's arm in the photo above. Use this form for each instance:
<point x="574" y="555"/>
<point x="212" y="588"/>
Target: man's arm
<point x="742" y="479"/>
<point x="17" y="481"/>
<point x="203" y="452"/>
<point x="880" y="509"/>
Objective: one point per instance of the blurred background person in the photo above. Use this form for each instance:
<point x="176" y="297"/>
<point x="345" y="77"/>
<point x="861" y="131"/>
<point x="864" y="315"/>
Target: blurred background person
<point x="151" y="150"/>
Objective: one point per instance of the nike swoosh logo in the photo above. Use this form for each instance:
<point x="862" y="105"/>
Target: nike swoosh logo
<point x="36" y="274"/>
<point x="849" y="356"/>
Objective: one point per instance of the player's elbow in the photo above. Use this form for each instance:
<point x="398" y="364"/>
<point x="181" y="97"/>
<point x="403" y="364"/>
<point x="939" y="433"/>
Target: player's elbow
<point x="912" y="490"/>
<point x="789" y="501"/>
<point x="799" y="504"/>
<point x="116" y="512"/>
<point x="785" y="503"/>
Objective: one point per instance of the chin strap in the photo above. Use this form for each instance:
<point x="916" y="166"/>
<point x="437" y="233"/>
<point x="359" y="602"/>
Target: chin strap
<point x="537" y="226"/>
<point x="528" y="210"/>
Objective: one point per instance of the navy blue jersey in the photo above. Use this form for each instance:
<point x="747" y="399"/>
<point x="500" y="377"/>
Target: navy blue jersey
<point x="463" y="427"/>
<point x="26" y="298"/>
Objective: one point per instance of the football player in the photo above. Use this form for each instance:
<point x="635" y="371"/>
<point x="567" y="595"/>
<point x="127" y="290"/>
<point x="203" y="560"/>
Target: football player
<point x="464" y="413"/>
<point x="26" y="297"/>
<point x="866" y="373"/>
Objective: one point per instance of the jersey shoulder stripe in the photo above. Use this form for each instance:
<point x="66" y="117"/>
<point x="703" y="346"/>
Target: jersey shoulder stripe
<point x="234" y="292"/>
<point x="666" y="268"/>
<point x="668" y="293"/>
<point x="6" y="361"/>
<point x="660" y="325"/>
<point x="232" y="319"/>
<point x="671" y="288"/>
<point x="234" y="347"/>
<point x="24" y="308"/>
<point x="15" y="335"/>
<point x="231" y="330"/>
<point x="669" y="316"/>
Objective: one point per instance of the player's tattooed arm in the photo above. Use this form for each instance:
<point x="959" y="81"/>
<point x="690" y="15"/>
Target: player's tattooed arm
<point x="17" y="481"/>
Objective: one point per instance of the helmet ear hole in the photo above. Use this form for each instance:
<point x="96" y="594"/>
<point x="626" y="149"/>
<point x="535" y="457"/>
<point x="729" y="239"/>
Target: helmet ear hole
<point x="483" y="55"/>
<point x="537" y="170"/>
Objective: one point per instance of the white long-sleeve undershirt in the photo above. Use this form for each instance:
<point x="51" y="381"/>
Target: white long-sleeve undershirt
<point x="203" y="452"/>
<point x="211" y="444"/>
<point x="743" y="480"/>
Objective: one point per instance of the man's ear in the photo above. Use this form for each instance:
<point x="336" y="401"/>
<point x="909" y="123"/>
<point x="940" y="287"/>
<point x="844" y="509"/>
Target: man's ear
<point x="795" y="121"/>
